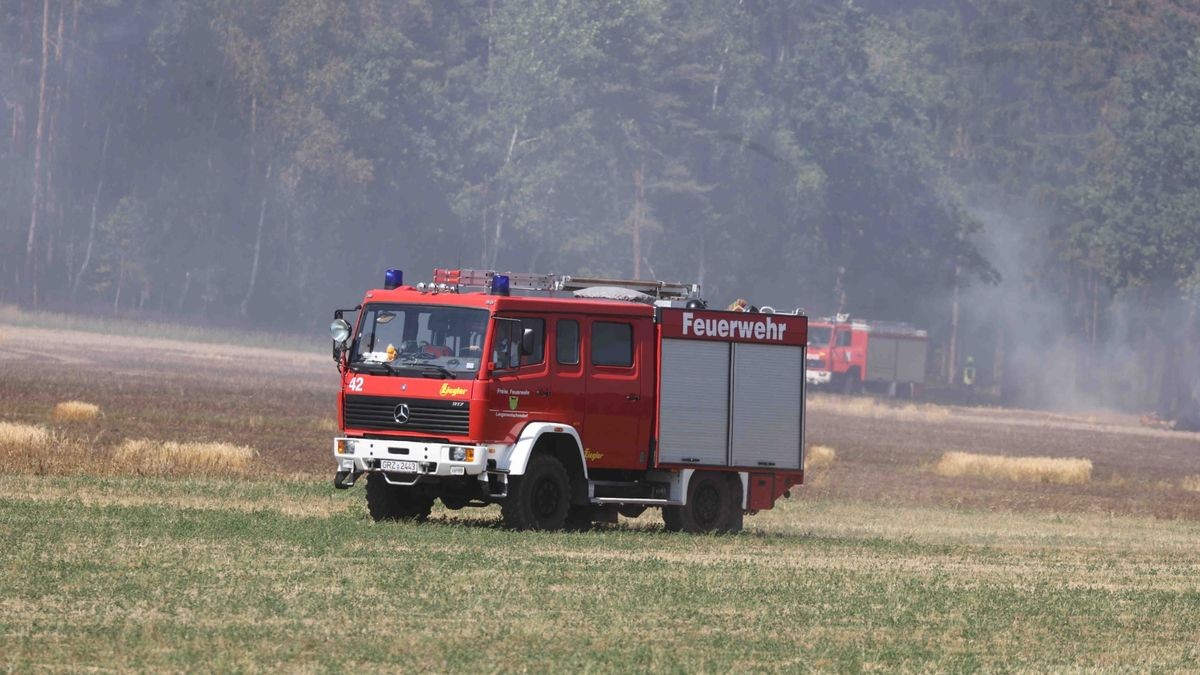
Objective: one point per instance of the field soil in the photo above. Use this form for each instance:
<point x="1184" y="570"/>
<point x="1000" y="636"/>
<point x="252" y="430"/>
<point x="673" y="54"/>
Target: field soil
<point x="876" y="563"/>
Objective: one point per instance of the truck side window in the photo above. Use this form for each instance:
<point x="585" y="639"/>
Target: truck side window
<point x="612" y="344"/>
<point x="566" y="345"/>
<point x="506" y="343"/>
<point x="538" y="326"/>
<point x="843" y="339"/>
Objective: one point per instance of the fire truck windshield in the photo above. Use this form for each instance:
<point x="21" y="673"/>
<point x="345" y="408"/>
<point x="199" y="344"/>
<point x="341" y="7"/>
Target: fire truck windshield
<point x="819" y="335"/>
<point x="417" y="340"/>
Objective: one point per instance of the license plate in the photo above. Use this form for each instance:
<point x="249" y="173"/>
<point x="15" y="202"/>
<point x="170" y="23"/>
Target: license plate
<point x="398" y="466"/>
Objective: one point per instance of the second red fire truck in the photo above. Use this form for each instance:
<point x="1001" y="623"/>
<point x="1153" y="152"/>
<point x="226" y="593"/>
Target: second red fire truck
<point x="567" y="401"/>
<point x="850" y="355"/>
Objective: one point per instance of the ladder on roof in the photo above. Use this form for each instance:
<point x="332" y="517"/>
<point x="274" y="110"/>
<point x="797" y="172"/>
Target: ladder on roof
<point x="471" y="279"/>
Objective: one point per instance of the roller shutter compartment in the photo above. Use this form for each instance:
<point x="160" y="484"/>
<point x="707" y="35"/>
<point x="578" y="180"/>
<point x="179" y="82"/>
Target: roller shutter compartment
<point x="693" y="403"/>
<point x="768" y="390"/>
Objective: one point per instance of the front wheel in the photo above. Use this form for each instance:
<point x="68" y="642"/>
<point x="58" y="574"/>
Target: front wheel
<point x="395" y="502"/>
<point x="714" y="504"/>
<point x="540" y="499"/>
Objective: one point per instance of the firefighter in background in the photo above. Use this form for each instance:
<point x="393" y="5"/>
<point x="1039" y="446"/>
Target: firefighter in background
<point x="968" y="379"/>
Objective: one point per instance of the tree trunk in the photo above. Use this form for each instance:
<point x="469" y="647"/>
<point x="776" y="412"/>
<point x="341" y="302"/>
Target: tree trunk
<point x="499" y="229"/>
<point x="483" y="225"/>
<point x="36" y="200"/>
<point x="262" y="215"/>
<point x="952" y="348"/>
<point x="120" y="284"/>
<point x="639" y="206"/>
<point x="998" y="362"/>
<point x="87" y="254"/>
<point x="51" y="209"/>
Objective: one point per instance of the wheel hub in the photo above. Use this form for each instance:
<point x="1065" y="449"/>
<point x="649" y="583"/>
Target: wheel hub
<point x="546" y="498"/>
<point x="708" y="506"/>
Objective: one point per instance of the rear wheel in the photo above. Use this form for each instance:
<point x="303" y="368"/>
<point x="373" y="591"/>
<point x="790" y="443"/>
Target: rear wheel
<point x="540" y="499"/>
<point x="395" y="502"/>
<point x="714" y="504"/>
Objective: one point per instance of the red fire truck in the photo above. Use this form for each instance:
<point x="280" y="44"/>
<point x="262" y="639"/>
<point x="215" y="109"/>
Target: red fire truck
<point x="850" y="355"/>
<point x="567" y="401"/>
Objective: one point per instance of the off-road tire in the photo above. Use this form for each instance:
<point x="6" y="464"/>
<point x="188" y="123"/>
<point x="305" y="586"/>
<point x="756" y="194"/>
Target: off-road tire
<point x="540" y="499"/>
<point x="714" y="504"/>
<point x="395" y="502"/>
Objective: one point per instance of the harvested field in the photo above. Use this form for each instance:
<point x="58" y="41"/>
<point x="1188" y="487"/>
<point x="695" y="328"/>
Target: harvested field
<point x="169" y="458"/>
<point x="1031" y="469"/>
<point x="878" y="563"/>
<point x="819" y="457"/>
<point x="75" y="411"/>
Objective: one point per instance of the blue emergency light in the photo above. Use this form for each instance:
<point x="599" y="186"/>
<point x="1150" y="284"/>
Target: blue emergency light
<point x="393" y="278"/>
<point x="500" y="284"/>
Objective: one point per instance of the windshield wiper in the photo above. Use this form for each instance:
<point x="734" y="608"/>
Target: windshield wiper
<point x="370" y="366"/>
<point x="441" y="369"/>
<point x="393" y="370"/>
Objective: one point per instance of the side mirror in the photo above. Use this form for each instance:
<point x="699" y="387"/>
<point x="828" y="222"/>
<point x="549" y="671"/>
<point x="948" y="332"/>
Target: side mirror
<point x="527" y="342"/>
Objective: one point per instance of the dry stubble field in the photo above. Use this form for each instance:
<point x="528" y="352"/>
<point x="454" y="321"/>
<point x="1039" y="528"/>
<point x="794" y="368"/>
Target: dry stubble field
<point x="878" y="563"/>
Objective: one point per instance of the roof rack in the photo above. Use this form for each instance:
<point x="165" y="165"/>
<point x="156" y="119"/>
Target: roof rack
<point x="551" y="284"/>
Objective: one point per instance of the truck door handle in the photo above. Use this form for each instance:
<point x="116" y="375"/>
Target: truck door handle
<point x="542" y="392"/>
<point x="633" y="397"/>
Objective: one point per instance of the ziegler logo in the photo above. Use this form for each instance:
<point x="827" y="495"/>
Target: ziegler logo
<point x="447" y="390"/>
<point x="747" y="329"/>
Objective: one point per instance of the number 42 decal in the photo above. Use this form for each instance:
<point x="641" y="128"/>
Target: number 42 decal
<point x="355" y="384"/>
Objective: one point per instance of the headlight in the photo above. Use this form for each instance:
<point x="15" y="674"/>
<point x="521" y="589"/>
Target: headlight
<point x="340" y="330"/>
<point x="462" y="454"/>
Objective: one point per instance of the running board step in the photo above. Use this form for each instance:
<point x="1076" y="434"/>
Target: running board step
<point x="626" y="500"/>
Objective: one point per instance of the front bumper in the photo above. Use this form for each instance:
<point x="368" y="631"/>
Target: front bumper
<point x="357" y="455"/>
<point x="817" y="377"/>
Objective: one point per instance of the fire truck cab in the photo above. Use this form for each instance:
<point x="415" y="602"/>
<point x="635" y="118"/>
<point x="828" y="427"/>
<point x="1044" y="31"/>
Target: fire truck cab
<point x="567" y="401"/>
<point x="850" y="355"/>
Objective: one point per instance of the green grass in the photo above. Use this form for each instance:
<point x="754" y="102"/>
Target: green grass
<point x="291" y="575"/>
<point x="15" y="316"/>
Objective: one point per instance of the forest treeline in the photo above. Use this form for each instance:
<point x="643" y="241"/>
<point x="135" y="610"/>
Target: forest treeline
<point x="1020" y="177"/>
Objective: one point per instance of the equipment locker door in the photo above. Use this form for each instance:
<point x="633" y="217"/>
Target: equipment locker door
<point x="616" y="428"/>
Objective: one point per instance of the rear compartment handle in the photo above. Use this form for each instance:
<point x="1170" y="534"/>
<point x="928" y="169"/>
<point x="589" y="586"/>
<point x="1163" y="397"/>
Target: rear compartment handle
<point x="633" y="397"/>
<point x="766" y="463"/>
<point x="689" y="459"/>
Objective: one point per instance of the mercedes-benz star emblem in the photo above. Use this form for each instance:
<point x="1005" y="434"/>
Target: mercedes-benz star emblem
<point x="400" y="413"/>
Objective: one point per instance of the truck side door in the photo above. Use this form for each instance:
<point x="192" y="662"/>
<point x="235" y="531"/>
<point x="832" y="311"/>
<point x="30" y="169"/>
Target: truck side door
<point x="840" y="354"/>
<point x="618" y="357"/>
<point x="517" y="396"/>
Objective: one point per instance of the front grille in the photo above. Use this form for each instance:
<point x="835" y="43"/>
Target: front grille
<point x="816" y="364"/>
<point x="424" y="416"/>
